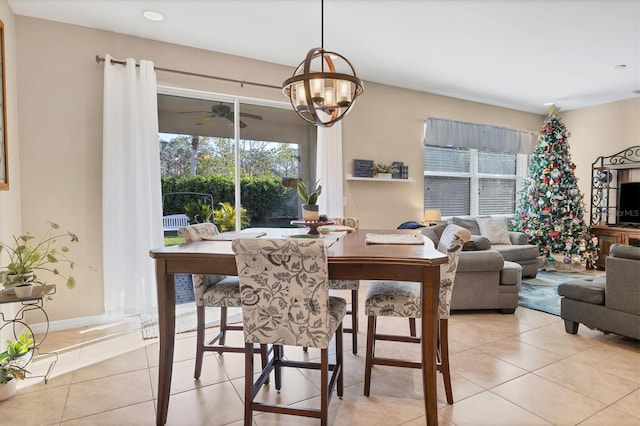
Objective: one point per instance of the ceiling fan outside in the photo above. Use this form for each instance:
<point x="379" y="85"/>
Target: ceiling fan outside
<point x="223" y="111"/>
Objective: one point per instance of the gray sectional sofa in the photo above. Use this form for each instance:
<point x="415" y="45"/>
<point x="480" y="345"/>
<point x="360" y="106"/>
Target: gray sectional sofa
<point x="611" y="302"/>
<point x="489" y="275"/>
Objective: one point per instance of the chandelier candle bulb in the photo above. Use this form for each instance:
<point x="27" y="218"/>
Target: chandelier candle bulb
<point x="344" y="90"/>
<point x="317" y="89"/>
<point x="329" y="96"/>
<point x="300" y="98"/>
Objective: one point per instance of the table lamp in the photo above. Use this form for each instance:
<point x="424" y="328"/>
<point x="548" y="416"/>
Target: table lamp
<point x="432" y="216"/>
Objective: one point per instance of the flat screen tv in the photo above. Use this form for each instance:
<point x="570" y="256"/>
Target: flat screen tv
<point x="629" y="204"/>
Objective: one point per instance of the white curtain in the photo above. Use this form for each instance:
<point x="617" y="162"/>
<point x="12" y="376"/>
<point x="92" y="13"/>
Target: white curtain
<point x="131" y="191"/>
<point x="329" y="170"/>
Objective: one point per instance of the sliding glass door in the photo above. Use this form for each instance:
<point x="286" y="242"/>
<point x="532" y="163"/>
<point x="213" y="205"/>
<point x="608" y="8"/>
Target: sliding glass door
<point x="231" y="161"/>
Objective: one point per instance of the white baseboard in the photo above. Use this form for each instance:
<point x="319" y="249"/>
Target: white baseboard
<point x="66" y="324"/>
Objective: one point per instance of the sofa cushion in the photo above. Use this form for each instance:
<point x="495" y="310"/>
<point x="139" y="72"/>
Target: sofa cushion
<point x="624" y="251"/>
<point x="518" y="238"/>
<point x="515" y="253"/>
<point x="511" y="274"/>
<point x="469" y="223"/>
<point x="476" y="243"/>
<point x="495" y="229"/>
<point x="480" y="261"/>
<point x="588" y="290"/>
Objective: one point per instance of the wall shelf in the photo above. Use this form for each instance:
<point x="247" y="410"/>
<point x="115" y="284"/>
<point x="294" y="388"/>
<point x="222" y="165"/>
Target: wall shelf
<point x="351" y="177"/>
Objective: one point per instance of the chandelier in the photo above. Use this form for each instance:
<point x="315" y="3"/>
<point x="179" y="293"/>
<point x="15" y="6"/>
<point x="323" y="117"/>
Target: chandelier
<point x="324" y="86"/>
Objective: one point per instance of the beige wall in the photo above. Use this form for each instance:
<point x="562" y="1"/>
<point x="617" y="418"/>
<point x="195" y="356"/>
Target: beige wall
<point x="601" y="130"/>
<point x="60" y="98"/>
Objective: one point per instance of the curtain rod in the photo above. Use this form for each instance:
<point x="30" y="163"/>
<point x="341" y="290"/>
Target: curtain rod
<point x="100" y="60"/>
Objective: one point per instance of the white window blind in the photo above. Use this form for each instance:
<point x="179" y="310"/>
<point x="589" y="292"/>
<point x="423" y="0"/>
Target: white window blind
<point x="463" y="179"/>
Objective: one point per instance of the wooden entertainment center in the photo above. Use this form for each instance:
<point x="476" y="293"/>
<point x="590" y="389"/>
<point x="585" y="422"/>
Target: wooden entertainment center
<point x="607" y="173"/>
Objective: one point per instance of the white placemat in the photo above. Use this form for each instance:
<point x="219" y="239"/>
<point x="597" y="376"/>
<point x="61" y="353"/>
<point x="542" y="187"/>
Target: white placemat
<point x="394" y="239"/>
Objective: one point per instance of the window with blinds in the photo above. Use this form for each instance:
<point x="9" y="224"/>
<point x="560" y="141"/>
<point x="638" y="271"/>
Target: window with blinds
<point x="462" y="182"/>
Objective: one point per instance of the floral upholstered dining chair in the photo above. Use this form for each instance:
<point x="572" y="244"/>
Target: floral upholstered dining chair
<point x="402" y="299"/>
<point x="213" y="291"/>
<point x="285" y="301"/>
<point x="353" y="285"/>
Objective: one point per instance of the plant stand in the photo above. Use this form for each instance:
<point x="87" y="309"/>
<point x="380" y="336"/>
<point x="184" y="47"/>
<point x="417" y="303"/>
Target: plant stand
<point x="34" y="303"/>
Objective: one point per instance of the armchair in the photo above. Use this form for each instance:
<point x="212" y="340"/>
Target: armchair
<point x="610" y="303"/>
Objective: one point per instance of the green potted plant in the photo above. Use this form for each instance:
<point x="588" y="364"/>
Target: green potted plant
<point x="383" y="171"/>
<point x="28" y="255"/>
<point x="198" y="212"/>
<point x="309" y="199"/>
<point x="13" y="362"/>
<point x="18" y="348"/>
<point x="225" y="217"/>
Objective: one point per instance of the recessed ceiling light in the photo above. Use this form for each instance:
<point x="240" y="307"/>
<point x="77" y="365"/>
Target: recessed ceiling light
<point x="153" y="15"/>
<point x="618" y="67"/>
<point x="548" y="103"/>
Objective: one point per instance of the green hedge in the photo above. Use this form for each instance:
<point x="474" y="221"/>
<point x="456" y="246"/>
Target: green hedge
<point x="261" y="197"/>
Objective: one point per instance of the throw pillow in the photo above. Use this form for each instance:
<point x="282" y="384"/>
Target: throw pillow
<point x="410" y="225"/>
<point x="477" y="243"/>
<point x="495" y="229"/>
<point x="468" y="223"/>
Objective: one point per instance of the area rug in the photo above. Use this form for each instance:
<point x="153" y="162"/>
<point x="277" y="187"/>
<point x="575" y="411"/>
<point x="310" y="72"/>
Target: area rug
<point x="541" y="293"/>
<point x="186" y="319"/>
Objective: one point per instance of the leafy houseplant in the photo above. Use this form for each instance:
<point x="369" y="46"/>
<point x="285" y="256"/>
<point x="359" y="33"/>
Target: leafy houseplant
<point x="17" y="348"/>
<point x="383" y="168"/>
<point x="11" y="366"/>
<point x="309" y="200"/>
<point x="27" y="255"/>
<point x="225" y="217"/>
<point x="198" y="212"/>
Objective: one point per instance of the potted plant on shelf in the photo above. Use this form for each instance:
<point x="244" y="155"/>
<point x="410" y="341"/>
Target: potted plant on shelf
<point x="383" y="171"/>
<point x="309" y="199"/>
<point x="28" y="255"/>
<point x="13" y="362"/>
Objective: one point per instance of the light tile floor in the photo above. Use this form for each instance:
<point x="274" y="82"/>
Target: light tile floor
<point x="520" y="369"/>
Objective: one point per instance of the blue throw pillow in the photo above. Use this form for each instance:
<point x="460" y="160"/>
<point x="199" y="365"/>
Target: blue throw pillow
<point x="410" y="225"/>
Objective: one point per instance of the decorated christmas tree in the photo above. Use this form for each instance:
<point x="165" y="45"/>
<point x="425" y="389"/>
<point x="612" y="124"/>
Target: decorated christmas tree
<point x="551" y="210"/>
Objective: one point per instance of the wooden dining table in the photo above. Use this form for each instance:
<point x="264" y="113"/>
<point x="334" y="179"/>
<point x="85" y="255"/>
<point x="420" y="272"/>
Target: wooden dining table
<point x="349" y="257"/>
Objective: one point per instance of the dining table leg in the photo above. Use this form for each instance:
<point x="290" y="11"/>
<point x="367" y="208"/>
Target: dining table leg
<point x="430" y="301"/>
<point x="167" y="327"/>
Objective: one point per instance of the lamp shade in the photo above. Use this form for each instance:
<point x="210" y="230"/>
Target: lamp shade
<point x="432" y="215"/>
<point x="323" y="88"/>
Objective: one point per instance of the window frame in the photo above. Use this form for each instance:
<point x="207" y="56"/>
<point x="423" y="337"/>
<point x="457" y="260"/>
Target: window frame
<point x="474" y="176"/>
<point x="306" y="149"/>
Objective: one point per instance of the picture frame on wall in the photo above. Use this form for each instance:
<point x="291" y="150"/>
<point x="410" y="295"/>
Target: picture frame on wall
<point x="363" y="168"/>
<point x="4" y="159"/>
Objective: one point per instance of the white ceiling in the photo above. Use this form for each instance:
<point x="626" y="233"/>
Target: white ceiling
<point x="512" y="53"/>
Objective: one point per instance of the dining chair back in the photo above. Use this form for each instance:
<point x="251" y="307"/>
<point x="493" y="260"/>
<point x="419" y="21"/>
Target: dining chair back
<point x="352" y="285"/>
<point x="214" y="291"/>
<point x="284" y="288"/>
<point x="402" y="299"/>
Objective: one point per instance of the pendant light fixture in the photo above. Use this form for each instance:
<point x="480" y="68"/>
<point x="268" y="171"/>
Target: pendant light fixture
<point x="324" y="86"/>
